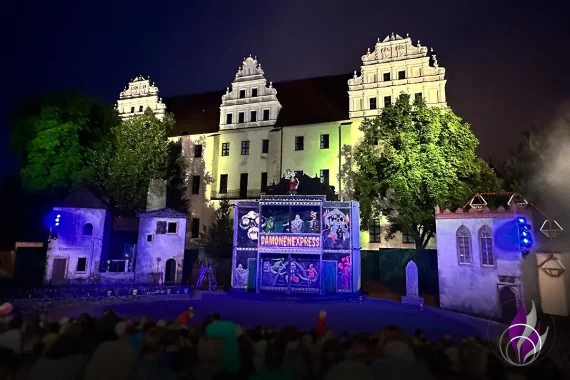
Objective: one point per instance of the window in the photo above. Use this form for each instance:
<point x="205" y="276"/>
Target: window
<point x="325" y="176"/>
<point x="132" y="109"/>
<point x="386" y="77"/>
<point x="299" y="143"/>
<point x="253" y="116"/>
<point x="486" y="246"/>
<point x="372" y="103"/>
<point x="195" y="230"/>
<point x="229" y="118"/>
<point x="196" y="184"/>
<point x="263" y="182"/>
<point x="418" y="95"/>
<point x="265" y="146"/>
<point x="160" y="227"/>
<point x="254" y="92"/>
<point x="149" y="238"/>
<point x="241" y="94"/>
<point x="244" y="148"/>
<point x="241" y="117"/>
<point x="172" y="228"/>
<point x="324" y="141"/>
<point x="197" y="151"/>
<point x="223" y="184"/>
<point x="226" y="149"/>
<point x="265" y="114"/>
<point x="88" y="229"/>
<point x="141" y="108"/>
<point x="374" y="231"/>
<point x="81" y="264"/>
<point x="402" y="74"/>
<point x="407" y="238"/>
<point x="463" y="237"/>
<point x="387" y="101"/>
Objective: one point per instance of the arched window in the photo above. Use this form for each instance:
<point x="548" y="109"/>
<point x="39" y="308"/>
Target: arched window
<point x="87" y="229"/>
<point x="463" y="237"/>
<point x="486" y="246"/>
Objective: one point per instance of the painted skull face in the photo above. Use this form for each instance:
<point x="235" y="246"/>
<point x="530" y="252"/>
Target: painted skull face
<point x="250" y="222"/>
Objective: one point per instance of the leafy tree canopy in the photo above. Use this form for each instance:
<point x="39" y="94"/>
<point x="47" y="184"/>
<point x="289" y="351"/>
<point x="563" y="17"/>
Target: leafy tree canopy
<point x="138" y="151"/>
<point x="52" y="135"/>
<point x="414" y="157"/>
<point x="217" y="239"/>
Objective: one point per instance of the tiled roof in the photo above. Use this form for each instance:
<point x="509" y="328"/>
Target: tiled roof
<point x="163" y="213"/>
<point x="83" y="198"/>
<point x="304" y="101"/>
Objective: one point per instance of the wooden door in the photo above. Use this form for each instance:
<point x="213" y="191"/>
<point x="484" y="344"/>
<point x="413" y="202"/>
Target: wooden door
<point x="58" y="271"/>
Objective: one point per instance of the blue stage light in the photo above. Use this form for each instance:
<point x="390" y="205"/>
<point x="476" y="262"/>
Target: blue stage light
<point x="525" y="236"/>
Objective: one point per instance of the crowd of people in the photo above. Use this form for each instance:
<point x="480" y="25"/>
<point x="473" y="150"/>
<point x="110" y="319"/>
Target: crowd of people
<point x="110" y="347"/>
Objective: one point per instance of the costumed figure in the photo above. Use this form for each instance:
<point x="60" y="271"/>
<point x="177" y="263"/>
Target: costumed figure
<point x="279" y="270"/>
<point x="297" y="225"/>
<point x="293" y="181"/>
<point x="314" y="223"/>
<point x="268" y="225"/>
<point x="344" y="272"/>
<point x="293" y="273"/>
<point x="312" y="273"/>
<point x="240" y="276"/>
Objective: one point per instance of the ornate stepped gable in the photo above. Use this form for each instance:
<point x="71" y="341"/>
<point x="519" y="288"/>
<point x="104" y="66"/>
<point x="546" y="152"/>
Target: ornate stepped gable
<point x="396" y="48"/>
<point x="139" y="95"/>
<point x="250" y="102"/>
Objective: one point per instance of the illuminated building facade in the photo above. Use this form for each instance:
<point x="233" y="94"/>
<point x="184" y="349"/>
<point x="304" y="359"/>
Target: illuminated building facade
<point x="241" y="140"/>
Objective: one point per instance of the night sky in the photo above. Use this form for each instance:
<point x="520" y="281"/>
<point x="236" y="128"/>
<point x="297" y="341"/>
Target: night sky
<point x="507" y="66"/>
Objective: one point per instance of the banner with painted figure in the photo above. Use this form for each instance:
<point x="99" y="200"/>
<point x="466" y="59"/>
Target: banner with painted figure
<point x="248" y="227"/>
<point x="304" y="272"/>
<point x="285" y="219"/>
<point x="336" y="229"/>
<point x="241" y="268"/>
<point x="274" y="274"/>
<point x="344" y="281"/>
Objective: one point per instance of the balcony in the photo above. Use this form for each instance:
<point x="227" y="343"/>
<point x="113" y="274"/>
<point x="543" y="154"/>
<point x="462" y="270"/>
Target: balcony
<point x="237" y="194"/>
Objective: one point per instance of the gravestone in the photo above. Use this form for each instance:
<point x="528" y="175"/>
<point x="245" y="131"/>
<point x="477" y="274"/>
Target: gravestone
<point x="412" y="295"/>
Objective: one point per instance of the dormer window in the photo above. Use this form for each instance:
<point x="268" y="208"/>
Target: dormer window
<point x="253" y="92"/>
<point x="241" y="94"/>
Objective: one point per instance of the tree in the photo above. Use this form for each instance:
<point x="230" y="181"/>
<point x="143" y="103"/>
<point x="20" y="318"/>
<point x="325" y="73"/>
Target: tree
<point x="217" y="239"/>
<point x="525" y="164"/>
<point x="52" y="135"/>
<point x="414" y="157"/>
<point x="138" y="152"/>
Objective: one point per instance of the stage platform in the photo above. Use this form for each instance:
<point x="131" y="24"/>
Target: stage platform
<point x="343" y="315"/>
<point x="295" y="298"/>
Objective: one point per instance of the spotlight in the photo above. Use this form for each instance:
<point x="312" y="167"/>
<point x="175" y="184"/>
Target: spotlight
<point x="525" y="236"/>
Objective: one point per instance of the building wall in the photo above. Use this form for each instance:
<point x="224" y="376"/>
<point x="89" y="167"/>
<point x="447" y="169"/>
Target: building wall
<point x="71" y="244"/>
<point x="393" y="54"/>
<point x="140" y="95"/>
<point x="474" y="288"/>
<point x="163" y="247"/>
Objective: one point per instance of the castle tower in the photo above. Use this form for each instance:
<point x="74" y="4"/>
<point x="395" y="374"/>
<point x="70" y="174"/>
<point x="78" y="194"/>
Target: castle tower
<point x="250" y="102"/>
<point x="395" y="66"/>
<point x="140" y="94"/>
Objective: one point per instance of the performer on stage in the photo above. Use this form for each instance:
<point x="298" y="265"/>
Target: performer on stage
<point x="293" y="181"/>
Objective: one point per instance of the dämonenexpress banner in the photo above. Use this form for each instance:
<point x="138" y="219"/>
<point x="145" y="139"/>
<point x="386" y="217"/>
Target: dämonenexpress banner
<point x="290" y="241"/>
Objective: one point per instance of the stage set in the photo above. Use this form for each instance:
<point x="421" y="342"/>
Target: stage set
<point x="296" y="244"/>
